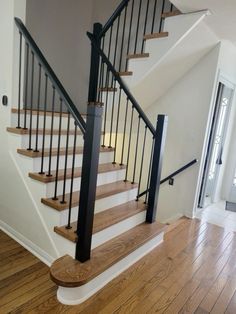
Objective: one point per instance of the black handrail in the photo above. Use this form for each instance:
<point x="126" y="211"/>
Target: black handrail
<point x="174" y="174"/>
<point x="51" y="74"/>
<point x="122" y="84"/>
<point x="114" y="16"/>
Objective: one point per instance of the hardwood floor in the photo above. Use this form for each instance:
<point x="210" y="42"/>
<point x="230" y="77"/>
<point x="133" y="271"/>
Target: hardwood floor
<point x="193" y="271"/>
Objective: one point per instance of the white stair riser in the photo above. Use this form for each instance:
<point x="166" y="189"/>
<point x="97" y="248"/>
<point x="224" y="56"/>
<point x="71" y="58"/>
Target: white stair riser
<point x="25" y="141"/>
<point x="103" y="178"/>
<point x="101" y="204"/>
<point x="73" y="296"/>
<point x="64" y="120"/>
<point x="68" y="247"/>
<point x="105" y="157"/>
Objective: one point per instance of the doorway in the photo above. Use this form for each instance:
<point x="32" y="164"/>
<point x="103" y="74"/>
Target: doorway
<point x="215" y="147"/>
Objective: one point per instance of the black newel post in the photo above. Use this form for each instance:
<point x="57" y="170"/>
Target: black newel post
<point x="90" y="159"/>
<point x="158" y="152"/>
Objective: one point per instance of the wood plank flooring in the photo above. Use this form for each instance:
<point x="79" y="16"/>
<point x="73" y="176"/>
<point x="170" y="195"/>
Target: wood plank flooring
<point x="193" y="271"/>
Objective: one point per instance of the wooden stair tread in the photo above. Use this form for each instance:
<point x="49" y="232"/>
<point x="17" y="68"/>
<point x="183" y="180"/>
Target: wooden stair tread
<point x="156" y="35"/>
<point x="170" y="14"/>
<point x="40" y="131"/>
<point x="125" y="73"/>
<point x="77" y="173"/>
<point x="79" y="151"/>
<point x="105" y="219"/>
<point x="67" y="272"/>
<point x="108" y="89"/>
<point x="103" y="191"/>
<point x="138" y="55"/>
<point x="41" y="112"/>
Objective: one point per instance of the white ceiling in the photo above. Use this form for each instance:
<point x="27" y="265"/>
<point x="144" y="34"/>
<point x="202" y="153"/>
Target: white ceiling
<point x="223" y="18"/>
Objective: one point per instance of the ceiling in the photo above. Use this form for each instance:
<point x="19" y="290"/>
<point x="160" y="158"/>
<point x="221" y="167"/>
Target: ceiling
<point x="223" y="18"/>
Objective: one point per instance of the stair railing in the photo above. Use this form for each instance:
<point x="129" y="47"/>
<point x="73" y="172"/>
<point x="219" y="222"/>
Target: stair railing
<point x="125" y="33"/>
<point x="47" y="114"/>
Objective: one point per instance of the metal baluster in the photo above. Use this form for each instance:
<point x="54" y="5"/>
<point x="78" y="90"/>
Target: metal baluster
<point x="138" y="22"/>
<point x="66" y="159"/>
<point x="145" y="24"/>
<point x="37" y="121"/>
<point x="122" y="41"/>
<point x="129" y="145"/>
<point x="116" y="43"/>
<point x="154" y="16"/>
<point x="31" y="105"/>
<point x="162" y="11"/>
<point x="26" y="84"/>
<point x="19" y="90"/>
<point x="58" y="152"/>
<point x="117" y="125"/>
<point x="44" y="123"/>
<point x="171" y="7"/>
<point x="142" y="159"/>
<point x="136" y="151"/>
<point x="72" y="180"/>
<point x="112" y="113"/>
<point x="49" y="174"/>
<point x="149" y="171"/>
<point x="124" y="133"/>
<point x="129" y="36"/>
<point x="106" y="107"/>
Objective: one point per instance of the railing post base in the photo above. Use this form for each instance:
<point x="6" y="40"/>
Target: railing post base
<point x="159" y="145"/>
<point x="89" y="181"/>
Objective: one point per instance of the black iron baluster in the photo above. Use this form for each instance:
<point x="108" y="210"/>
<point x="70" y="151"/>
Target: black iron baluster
<point x="72" y="180"/>
<point x="66" y="159"/>
<point x="26" y="84"/>
<point x="51" y="134"/>
<point x="138" y="22"/>
<point x="44" y="123"/>
<point x="129" y="145"/>
<point x="145" y="24"/>
<point x="19" y="87"/>
<point x="32" y="99"/>
<point x="171" y="7"/>
<point x="122" y="40"/>
<point x="154" y="16"/>
<point x="161" y="20"/>
<point x="58" y="152"/>
<point x="142" y="160"/>
<point x="38" y="105"/>
<point x="149" y="172"/>
<point x="124" y="133"/>
<point x="129" y="36"/>
<point x="116" y="42"/>
<point x="112" y="113"/>
<point x="117" y="126"/>
<point x="106" y="108"/>
<point x="136" y="151"/>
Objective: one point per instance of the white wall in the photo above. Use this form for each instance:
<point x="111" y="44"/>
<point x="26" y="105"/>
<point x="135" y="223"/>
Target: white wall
<point x="187" y="104"/>
<point x="18" y="214"/>
<point x="59" y="27"/>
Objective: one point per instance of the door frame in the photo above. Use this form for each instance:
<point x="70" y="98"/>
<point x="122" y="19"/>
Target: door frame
<point x="221" y="78"/>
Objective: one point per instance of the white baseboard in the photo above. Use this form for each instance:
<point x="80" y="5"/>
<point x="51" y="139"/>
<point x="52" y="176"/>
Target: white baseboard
<point x="27" y="244"/>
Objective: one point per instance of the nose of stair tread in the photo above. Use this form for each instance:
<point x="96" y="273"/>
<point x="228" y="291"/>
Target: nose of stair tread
<point x="102" y="192"/>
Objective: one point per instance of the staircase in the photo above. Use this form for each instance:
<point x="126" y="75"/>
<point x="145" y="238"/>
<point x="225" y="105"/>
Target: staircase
<point x="94" y="179"/>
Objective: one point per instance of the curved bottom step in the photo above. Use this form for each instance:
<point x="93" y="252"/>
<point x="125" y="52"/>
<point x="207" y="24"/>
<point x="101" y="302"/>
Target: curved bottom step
<point x="78" y="281"/>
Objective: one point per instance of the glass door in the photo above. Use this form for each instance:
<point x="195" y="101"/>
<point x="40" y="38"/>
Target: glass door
<point x="216" y="145"/>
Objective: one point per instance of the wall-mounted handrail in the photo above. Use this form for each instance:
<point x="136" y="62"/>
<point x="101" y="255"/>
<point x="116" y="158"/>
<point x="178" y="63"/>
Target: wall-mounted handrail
<point x="114" y="16"/>
<point x="174" y="174"/>
<point x="122" y="84"/>
<point x="51" y="74"/>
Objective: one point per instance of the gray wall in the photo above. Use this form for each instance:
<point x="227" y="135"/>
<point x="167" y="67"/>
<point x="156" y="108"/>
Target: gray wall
<point x="59" y="27"/>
